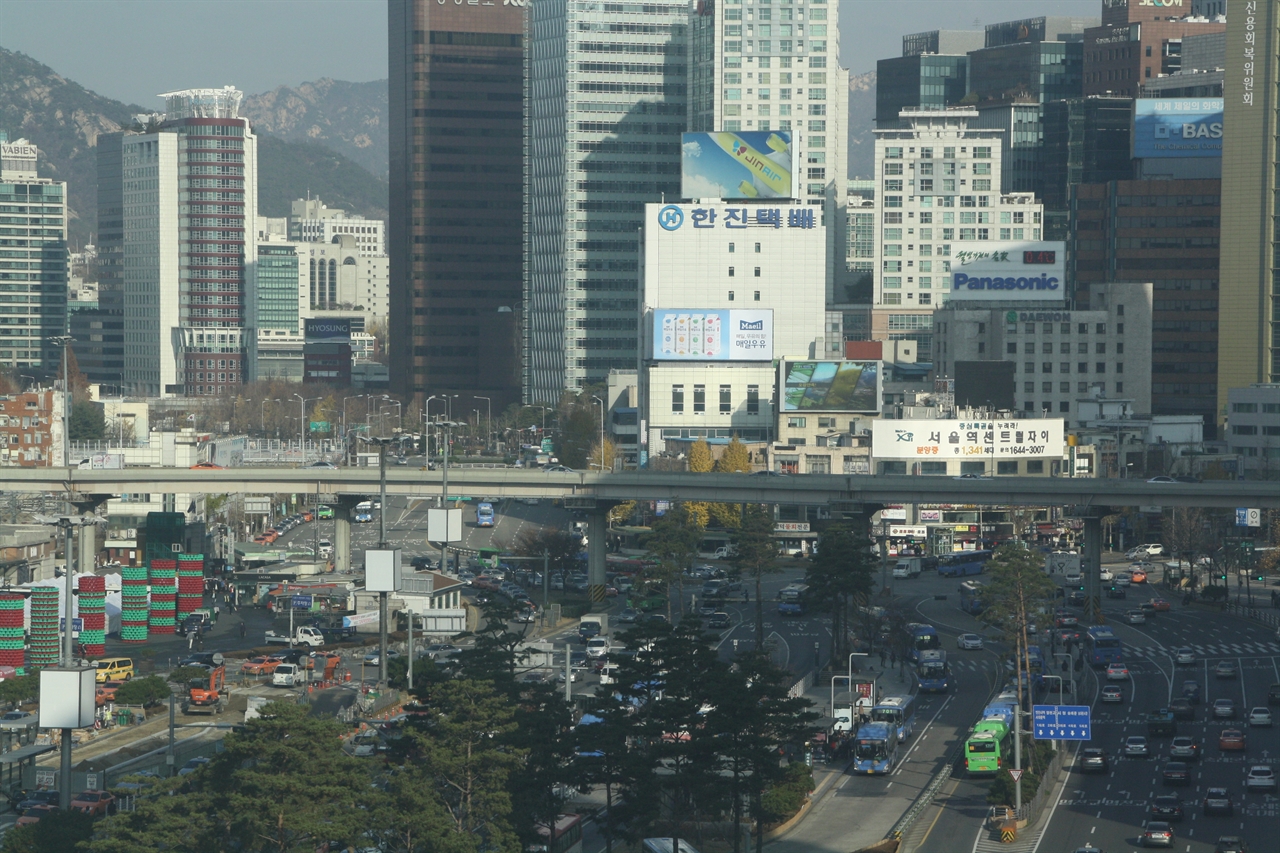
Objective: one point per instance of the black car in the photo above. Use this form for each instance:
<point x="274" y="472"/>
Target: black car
<point x="1116" y="592"/>
<point x="1167" y="807"/>
<point x="31" y="799"/>
<point x="1182" y="709"/>
<point x="1076" y="598"/>
<point x="1177" y="773"/>
<point x="718" y="620"/>
<point x="1093" y="760"/>
<point x="1231" y="844"/>
<point x="1191" y="690"/>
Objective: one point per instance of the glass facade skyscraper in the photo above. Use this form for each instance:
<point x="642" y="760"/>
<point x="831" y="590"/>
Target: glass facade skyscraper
<point x="606" y="101"/>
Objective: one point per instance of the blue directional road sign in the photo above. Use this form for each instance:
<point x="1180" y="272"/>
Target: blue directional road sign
<point x="1061" y="722"/>
<point x="301" y="602"/>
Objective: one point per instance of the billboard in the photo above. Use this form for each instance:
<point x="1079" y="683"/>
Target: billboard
<point x="1177" y="127"/>
<point x="1021" y="271"/>
<point x="831" y="386"/>
<point x="737" y="165"/>
<point x="945" y="439"/>
<point x="986" y="384"/>
<point x="327" y="331"/>
<point x="692" y="334"/>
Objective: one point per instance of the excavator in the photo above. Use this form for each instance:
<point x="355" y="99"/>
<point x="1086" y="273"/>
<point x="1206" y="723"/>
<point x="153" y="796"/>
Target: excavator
<point x="208" y="698"/>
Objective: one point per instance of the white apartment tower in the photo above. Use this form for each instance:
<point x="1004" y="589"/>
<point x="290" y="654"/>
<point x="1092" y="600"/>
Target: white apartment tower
<point x="774" y="65"/>
<point x="190" y="197"/>
<point x="937" y="194"/>
<point x="605" y="106"/>
<point x="33" y="260"/>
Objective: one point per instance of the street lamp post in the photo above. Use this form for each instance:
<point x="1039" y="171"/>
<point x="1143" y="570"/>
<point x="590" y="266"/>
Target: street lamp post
<point x="601" y="402"/>
<point x="302" y="424"/>
<point x="488" y="430"/>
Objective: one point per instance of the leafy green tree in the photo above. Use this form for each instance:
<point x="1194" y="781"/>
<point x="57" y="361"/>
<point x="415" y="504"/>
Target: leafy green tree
<point x="54" y="834"/>
<point x="753" y="715"/>
<point x="755" y="555"/>
<point x="561" y="546"/>
<point x="1017" y="591"/>
<point x="282" y="785"/>
<point x="87" y="421"/>
<point x="411" y="818"/>
<point x="463" y="755"/>
<point x="839" y="577"/>
<point x="143" y="691"/>
<point x="673" y="545"/>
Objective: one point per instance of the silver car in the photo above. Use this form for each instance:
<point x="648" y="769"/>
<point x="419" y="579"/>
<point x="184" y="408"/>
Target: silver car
<point x="969" y="641"/>
<point x="1186" y="656"/>
<point x="1135" y="747"/>
<point x="1260" y="778"/>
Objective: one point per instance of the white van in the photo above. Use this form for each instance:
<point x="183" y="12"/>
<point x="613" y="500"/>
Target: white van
<point x="609" y="673"/>
<point x="286" y="675"/>
<point x="326" y="548"/>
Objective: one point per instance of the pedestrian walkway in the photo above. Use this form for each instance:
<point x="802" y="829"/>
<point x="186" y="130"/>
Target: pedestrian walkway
<point x="1211" y="650"/>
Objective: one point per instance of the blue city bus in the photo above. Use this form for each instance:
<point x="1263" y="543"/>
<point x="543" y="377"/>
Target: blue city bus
<point x="1002" y="711"/>
<point x="963" y="563"/>
<point x="923" y="637"/>
<point x="971" y="597"/>
<point x="1102" y="646"/>
<point x="933" y="675"/>
<point x="1035" y="663"/>
<point x="899" y="712"/>
<point x="484" y="515"/>
<point x="875" y="749"/>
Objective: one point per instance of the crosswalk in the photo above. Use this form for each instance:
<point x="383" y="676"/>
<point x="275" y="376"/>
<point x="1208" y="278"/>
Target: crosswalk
<point x="1212" y="650"/>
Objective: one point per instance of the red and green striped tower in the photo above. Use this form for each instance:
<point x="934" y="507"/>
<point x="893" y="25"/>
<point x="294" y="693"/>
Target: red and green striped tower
<point x="164" y="595"/>
<point x="190" y="583"/>
<point x="92" y="605"/>
<point x="46" y="618"/>
<point x="133" y="604"/>
<point x="13" y="609"/>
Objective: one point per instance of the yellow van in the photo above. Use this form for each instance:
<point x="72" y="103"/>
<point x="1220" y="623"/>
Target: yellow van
<point x="114" y="669"/>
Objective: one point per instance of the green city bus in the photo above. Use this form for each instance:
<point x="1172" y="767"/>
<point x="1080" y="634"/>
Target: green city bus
<point x="986" y="747"/>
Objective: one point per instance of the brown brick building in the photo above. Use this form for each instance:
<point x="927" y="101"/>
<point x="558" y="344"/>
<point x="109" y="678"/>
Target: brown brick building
<point x="29" y="424"/>
<point x="1137" y="43"/>
<point x="1165" y="232"/>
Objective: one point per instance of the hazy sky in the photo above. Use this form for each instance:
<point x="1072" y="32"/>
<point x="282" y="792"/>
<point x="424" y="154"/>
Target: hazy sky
<point x="134" y="49"/>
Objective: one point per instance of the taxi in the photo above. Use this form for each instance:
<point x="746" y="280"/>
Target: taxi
<point x="1231" y="740"/>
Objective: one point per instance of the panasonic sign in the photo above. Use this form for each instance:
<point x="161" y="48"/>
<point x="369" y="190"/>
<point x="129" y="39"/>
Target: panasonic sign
<point x="1022" y="271"/>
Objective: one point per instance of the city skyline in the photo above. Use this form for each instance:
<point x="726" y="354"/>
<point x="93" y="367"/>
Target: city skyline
<point x="90" y="53"/>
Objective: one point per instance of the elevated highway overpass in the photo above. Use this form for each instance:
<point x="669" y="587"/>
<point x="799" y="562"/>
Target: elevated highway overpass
<point x="595" y="493"/>
<point x="811" y="489"/>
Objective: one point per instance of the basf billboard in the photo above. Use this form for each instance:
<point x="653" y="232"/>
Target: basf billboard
<point x="1004" y="439"/>
<point x="736" y="166"/>
<point x="690" y="334"/>
<point x="831" y="386"/>
<point x="1177" y="127"/>
<point x="1023" y="271"/>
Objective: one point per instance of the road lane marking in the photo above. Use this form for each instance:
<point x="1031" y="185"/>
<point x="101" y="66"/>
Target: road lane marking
<point x="903" y="762"/>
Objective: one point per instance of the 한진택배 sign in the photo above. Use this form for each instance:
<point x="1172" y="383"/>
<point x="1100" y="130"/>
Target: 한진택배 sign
<point x="1022" y="271"/>
<point x="736" y="165"/>
<point x="691" y="334"/>
<point x="942" y="439"/>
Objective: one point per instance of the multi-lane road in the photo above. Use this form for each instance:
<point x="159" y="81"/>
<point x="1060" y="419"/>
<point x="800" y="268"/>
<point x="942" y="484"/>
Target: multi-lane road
<point x="1109" y="810"/>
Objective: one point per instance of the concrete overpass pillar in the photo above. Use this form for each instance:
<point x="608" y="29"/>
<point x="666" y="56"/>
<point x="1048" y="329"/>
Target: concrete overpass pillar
<point x="342" y="531"/>
<point x="1091" y="564"/>
<point x="597" y="527"/>
<point x="87" y="549"/>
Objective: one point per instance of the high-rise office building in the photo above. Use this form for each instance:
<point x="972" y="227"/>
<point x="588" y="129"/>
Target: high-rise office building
<point x="99" y="332"/>
<point x="923" y="81"/>
<point x="456" y="124"/>
<point x="1035" y="57"/>
<point x="1086" y="141"/>
<point x="607" y="103"/>
<point x="189" y="199"/>
<point x="1248" y="351"/>
<point x="1165" y="232"/>
<point x="1137" y="43"/>
<point x="34" y="271"/>
<point x="312" y="221"/>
